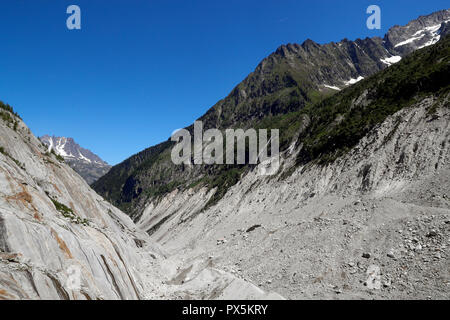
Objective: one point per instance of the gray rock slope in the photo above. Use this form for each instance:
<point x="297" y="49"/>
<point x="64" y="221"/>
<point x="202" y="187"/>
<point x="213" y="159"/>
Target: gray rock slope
<point x="53" y="225"/>
<point x="41" y="245"/>
<point x="88" y="165"/>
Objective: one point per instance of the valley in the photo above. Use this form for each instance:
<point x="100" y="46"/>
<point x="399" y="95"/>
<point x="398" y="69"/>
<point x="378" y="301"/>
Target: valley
<point x="358" y="209"/>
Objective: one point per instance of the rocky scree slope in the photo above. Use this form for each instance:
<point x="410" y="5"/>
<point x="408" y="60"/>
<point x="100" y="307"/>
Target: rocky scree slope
<point x="374" y="224"/>
<point x="293" y="78"/>
<point x="87" y="164"/>
<point x="361" y="208"/>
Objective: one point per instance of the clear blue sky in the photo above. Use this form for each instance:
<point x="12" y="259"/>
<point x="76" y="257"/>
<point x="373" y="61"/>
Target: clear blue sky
<point x="138" y="69"/>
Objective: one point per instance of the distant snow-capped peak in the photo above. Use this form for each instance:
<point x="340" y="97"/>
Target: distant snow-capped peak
<point x="70" y="150"/>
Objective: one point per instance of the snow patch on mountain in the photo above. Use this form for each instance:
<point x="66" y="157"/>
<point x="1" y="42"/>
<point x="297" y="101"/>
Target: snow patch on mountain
<point x="432" y="31"/>
<point x="391" y="60"/>
<point x="331" y="87"/>
<point x="433" y="40"/>
<point x="353" y="81"/>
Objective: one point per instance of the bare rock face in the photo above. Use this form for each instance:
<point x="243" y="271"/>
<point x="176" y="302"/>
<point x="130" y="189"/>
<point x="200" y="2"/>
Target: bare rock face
<point x="53" y="226"/>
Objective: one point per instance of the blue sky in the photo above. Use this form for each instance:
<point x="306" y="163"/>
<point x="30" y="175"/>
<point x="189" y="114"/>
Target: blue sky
<point x="138" y="69"/>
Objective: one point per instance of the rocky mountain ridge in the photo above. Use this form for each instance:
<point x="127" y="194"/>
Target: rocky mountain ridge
<point x="418" y="34"/>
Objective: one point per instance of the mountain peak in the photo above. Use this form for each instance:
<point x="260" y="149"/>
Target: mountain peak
<point x="89" y="165"/>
